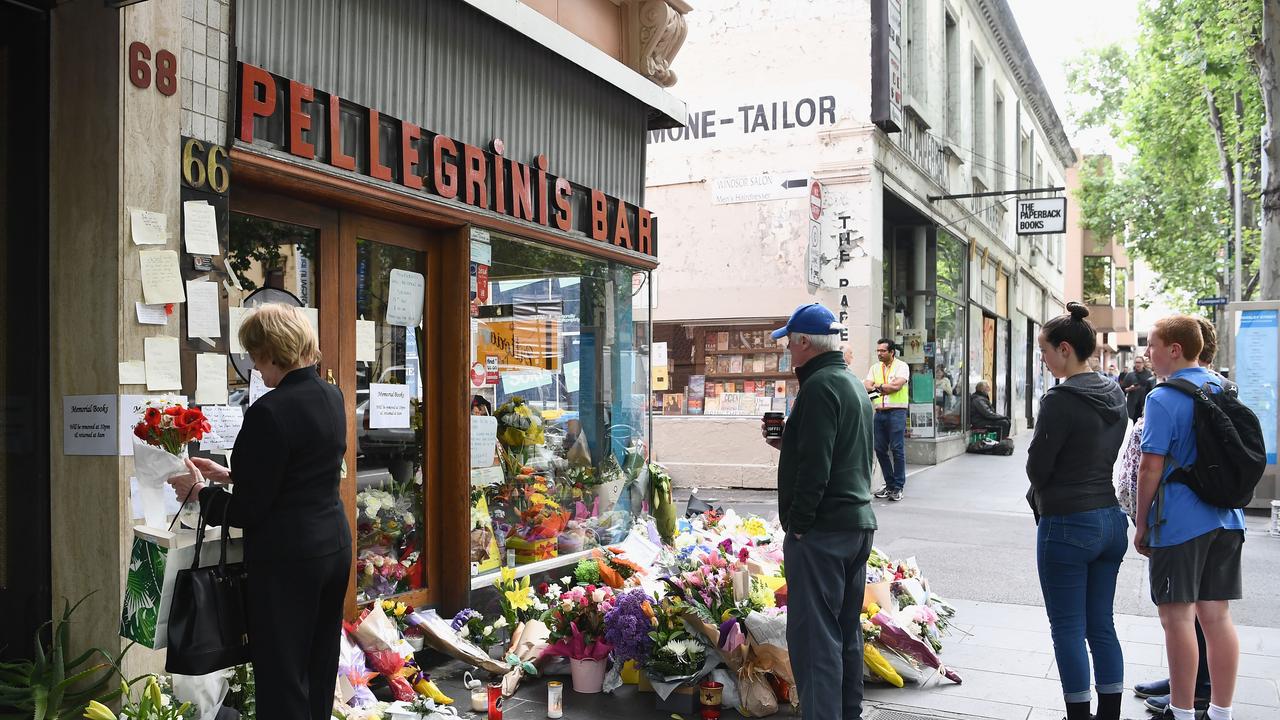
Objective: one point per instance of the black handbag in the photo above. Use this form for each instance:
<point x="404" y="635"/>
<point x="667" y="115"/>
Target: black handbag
<point x="208" y="621"/>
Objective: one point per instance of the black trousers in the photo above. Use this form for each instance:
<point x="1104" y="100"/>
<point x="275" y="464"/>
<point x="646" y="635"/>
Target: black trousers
<point x="826" y="582"/>
<point x="295" y="617"/>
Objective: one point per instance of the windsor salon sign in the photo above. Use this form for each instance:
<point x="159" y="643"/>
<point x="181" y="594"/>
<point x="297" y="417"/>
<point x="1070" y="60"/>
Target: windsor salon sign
<point x="315" y="125"/>
<point x="1042" y="217"/>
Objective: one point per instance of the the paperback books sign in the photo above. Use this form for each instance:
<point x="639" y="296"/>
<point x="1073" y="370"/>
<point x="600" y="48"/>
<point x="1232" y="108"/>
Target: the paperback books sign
<point x="1042" y="217"/>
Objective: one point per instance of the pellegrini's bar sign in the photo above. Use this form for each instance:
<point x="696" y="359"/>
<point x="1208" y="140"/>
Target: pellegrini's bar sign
<point x="399" y="151"/>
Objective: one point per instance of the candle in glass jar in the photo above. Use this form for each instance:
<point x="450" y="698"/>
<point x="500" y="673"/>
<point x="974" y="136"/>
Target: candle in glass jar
<point x="555" y="699"/>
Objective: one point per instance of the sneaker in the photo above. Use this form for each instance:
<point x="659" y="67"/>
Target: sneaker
<point x="895" y="495"/>
<point x="1168" y="714"/>
<point x="883" y="492"/>
<point x="1154" y="688"/>
<point x="1158" y="703"/>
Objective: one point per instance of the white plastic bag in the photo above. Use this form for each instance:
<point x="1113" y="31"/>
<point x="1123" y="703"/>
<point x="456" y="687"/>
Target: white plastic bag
<point x="204" y="692"/>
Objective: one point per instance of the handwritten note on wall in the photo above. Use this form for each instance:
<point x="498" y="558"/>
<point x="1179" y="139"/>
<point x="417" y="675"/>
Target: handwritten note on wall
<point x="148" y="228"/>
<point x="161" y="278"/>
<point x="404" y="298"/>
<point x="164" y="363"/>
<point x="200" y="227"/>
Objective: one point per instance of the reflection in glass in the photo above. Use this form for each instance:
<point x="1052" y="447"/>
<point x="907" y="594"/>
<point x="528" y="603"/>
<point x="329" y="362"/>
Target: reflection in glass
<point x="389" y="497"/>
<point x="949" y="368"/>
<point x="559" y="360"/>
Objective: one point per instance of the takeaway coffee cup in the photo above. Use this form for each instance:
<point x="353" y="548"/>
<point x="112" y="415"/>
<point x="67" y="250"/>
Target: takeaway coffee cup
<point x="773" y="424"/>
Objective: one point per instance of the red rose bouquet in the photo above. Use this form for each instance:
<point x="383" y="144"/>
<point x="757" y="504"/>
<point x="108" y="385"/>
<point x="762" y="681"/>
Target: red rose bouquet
<point x="160" y="451"/>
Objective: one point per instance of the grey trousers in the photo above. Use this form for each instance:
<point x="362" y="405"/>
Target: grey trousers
<point x="826" y="581"/>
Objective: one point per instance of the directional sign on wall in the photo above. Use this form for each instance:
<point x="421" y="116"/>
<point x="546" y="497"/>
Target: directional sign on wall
<point x="758" y="188"/>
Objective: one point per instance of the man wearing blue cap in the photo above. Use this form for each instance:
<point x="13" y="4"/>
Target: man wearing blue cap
<point x="824" y="503"/>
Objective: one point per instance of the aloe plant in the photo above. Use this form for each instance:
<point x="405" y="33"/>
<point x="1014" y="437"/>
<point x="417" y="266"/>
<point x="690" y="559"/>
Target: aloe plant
<point x="53" y="686"/>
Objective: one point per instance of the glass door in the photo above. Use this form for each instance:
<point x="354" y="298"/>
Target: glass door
<point x="384" y="322"/>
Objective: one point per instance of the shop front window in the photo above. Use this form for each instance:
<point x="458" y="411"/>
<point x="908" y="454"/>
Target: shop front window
<point x="1097" y="280"/>
<point x="949" y="368"/>
<point x="390" y="421"/>
<point x="721" y="370"/>
<point x="559" y="390"/>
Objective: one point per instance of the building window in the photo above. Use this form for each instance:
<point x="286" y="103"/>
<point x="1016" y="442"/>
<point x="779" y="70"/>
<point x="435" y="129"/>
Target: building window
<point x="953" y="78"/>
<point x="999" y="169"/>
<point x="1097" y="280"/>
<point x="979" y="110"/>
<point x="1024" y="161"/>
<point x="559" y="359"/>
<point x="1122" y="281"/>
<point x="917" y="36"/>
<point x="731" y="369"/>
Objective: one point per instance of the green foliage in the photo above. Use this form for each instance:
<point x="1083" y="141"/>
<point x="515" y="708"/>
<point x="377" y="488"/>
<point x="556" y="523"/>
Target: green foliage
<point x="55" y="686"/>
<point x="1171" y="200"/>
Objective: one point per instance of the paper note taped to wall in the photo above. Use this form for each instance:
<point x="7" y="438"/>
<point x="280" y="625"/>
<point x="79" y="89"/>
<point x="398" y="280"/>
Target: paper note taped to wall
<point x="404" y="298"/>
<point x="148" y="228"/>
<point x="164" y="363"/>
<point x="484" y="440"/>
<point x="388" y="405"/>
<point x="151" y="314"/>
<point x="366" y="343"/>
<point x="257" y="387"/>
<point x="204" y="315"/>
<point x="133" y="372"/>
<point x="200" y="228"/>
<point x="224" y="427"/>
<point x="211" y="379"/>
<point x="235" y="318"/>
<point x="161" y="278"/>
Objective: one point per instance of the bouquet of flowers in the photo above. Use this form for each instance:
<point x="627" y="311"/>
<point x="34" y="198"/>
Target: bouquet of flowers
<point x="520" y="427"/>
<point x="613" y="569"/>
<point x="471" y="625"/>
<point x="627" y="626"/>
<point x="676" y="655"/>
<point x="160" y="441"/>
<point x="577" y="623"/>
<point x="379" y="573"/>
<point x="383" y="518"/>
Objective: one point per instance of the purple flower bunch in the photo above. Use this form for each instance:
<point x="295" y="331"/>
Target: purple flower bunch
<point x="627" y="626"/>
<point x="462" y="618"/>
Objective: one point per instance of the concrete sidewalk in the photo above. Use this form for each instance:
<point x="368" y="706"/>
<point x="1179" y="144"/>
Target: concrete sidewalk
<point x="1003" y="653"/>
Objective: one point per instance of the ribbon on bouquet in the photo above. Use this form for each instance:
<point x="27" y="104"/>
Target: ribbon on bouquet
<point x="515" y="663"/>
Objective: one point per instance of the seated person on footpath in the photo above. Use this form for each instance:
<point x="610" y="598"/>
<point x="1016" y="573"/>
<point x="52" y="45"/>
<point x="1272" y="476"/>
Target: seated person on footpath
<point x="984" y="417"/>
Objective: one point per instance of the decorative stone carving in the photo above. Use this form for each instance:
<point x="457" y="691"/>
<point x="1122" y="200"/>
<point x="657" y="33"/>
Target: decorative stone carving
<point x="660" y="32"/>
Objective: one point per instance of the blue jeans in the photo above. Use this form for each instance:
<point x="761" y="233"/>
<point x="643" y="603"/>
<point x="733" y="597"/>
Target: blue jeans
<point x="1079" y="557"/>
<point x="891" y="436"/>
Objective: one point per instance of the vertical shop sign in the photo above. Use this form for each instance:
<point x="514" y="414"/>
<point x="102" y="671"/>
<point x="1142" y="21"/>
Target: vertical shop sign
<point x="1256" y="370"/>
<point x="814" y="252"/>
<point x="886" y="65"/>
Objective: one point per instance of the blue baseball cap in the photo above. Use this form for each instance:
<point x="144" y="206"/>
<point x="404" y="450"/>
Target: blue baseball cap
<point x="813" y="319"/>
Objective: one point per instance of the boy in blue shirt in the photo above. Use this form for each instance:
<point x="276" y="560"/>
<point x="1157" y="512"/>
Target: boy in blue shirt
<point x="1194" y="547"/>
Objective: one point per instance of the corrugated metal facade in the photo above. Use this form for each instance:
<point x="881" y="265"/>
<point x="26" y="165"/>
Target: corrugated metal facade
<point x="449" y="68"/>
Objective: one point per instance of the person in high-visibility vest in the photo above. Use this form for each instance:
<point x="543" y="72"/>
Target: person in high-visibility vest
<point x="889" y="377"/>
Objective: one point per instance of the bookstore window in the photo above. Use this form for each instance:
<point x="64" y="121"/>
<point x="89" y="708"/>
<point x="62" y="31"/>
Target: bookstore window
<point x="730" y="369"/>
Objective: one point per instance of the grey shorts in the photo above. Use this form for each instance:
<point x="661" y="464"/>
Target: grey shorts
<point x="1205" y="568"/>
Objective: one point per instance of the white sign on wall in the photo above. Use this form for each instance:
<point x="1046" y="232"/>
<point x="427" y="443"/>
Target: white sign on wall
<point x="759" y="187"/>
<point x="89" y="424"/>
<point x="1046" y="216"/>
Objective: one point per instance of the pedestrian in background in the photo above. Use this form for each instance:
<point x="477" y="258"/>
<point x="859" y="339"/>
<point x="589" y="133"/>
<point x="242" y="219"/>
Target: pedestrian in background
<point x="824" y="505"/>
<point x="1136" y="385"/>
<point x="1194" y="547"/>
<point x="1156" y="692"/>
<point x="889" y="377"/>
<point x="1081" y="532"/>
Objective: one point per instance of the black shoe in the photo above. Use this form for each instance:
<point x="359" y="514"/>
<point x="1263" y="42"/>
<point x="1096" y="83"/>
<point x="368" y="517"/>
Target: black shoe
<point x="1168" y="714"/>
<point x="1155" y="688"/>
<point x="883" y="492"/>
<point x="895" y="495"/>
<point x="1158" y="703"/>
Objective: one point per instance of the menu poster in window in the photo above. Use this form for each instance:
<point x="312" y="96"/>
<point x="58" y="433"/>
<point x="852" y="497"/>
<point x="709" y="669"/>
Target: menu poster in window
<point x="913" y="346"/>
<point x="389" y="406"/>
<point x="484" y="440"/>
<point x="920" y="420"/>
<point x="404" y="298"/>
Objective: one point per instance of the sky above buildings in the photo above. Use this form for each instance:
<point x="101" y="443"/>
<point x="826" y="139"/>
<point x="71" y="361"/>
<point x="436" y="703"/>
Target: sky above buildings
<point x="1056" y="32"/>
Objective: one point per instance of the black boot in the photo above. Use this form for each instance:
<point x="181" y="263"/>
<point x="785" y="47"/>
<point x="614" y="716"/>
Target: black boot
<point x="1078" y="711"/>
<point x="1109" y="706"/>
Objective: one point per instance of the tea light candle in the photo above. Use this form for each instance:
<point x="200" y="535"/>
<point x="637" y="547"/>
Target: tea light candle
<point x="479" y="700"/>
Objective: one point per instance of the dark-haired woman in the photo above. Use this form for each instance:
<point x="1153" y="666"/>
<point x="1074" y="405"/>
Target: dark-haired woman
<point x="1082" y="532"/>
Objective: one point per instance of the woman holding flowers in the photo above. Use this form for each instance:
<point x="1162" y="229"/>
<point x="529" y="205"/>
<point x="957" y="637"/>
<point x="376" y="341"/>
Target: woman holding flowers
<point x="1082" y="534"/>
<point x="297" y="545"/>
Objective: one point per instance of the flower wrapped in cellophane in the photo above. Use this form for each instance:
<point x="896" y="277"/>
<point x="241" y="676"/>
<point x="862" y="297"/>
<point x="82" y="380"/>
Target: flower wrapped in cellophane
<point x="160" y="441"/>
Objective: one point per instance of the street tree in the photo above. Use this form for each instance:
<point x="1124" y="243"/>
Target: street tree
<point x="1186" y="105"/>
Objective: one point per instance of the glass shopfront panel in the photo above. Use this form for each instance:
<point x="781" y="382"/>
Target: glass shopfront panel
<point x="724" y="370"/>
<point x="559" y="396"/>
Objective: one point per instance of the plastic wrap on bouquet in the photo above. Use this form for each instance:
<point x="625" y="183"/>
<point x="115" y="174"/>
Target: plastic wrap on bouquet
<point x="437" y="633"/>
<point x="206" y="693"/>
<point x="153" y="466"/>
<point x="768" y="639"/>
<point x="352" y="666"/>
<point x="528" y="642"/>
<point x="384" y="650"/>
<point x="899" y="640"/>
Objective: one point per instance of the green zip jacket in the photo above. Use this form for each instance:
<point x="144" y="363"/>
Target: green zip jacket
<point x="824" y="472"/>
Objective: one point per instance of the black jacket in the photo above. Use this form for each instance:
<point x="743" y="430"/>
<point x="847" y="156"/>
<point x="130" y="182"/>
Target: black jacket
<point x="824" y="470"/>
<point x="286" y="469"/>
<point x="980" y="409"/>
<point x="1137" y="400"/>
<point x="1078" y="435"/>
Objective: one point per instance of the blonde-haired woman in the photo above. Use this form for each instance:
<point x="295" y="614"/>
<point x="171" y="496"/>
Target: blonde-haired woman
<point x="297" y="544"/>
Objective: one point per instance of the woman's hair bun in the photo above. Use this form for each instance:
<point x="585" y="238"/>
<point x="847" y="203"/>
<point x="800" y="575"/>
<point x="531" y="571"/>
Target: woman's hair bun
<point x="1078" y="311"/>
